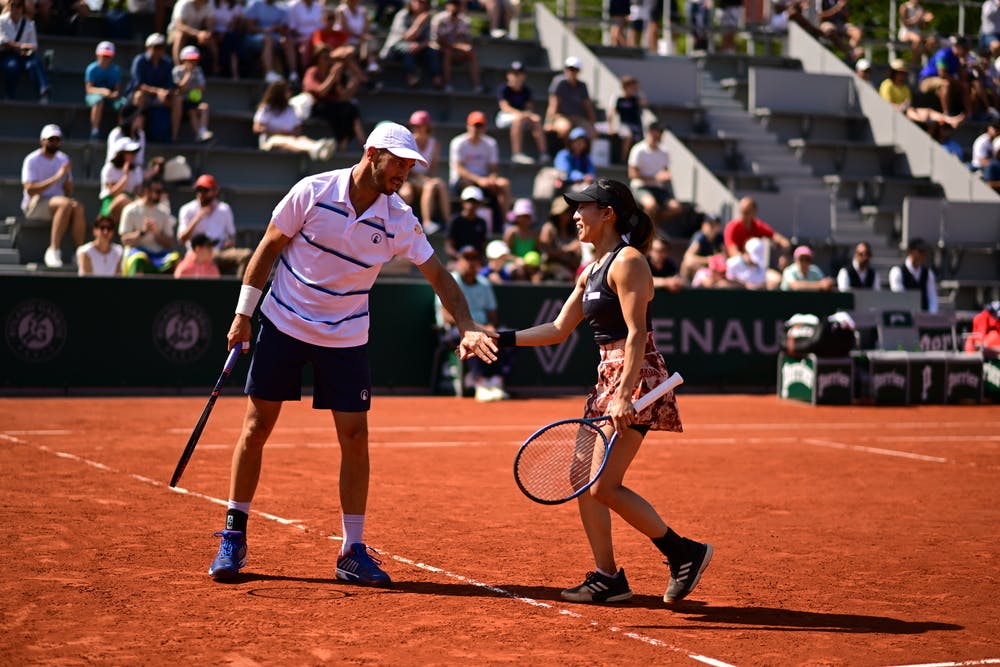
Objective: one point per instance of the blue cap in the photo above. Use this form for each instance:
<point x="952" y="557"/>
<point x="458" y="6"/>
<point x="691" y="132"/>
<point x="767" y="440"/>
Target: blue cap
<point x="577" y="133"/>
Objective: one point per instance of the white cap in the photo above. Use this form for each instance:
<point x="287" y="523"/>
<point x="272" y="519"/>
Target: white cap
<point x="523" y="207"/>
<point x="573" y="62"/>
<point x="472" y="192"/>
<point x="105" y="49"/>
<point x="862" y="65"/>
<point x="49" y="131"/>
<point x="496" y="249"/>
<point x="125" y="145"/>
<point x="756" y="248"/>
<point x="190" y="52"/>
<point x="397" y="140"/>
<point x="155" y="39"/>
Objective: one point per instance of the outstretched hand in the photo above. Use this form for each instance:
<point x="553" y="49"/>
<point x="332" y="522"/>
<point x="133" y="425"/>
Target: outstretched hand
<point x="478" y="343"/>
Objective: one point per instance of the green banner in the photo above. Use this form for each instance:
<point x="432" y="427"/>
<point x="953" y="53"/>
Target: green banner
<point x="65" y="332"/>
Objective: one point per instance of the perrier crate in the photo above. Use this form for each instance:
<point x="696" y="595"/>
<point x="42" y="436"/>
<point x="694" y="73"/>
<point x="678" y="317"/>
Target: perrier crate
<point x="816" y="380"/>
<point x="964" y="378"/>
<point x="991" y="380"/>
<point x="927" y="378"/>
<point x="882" y="378"/>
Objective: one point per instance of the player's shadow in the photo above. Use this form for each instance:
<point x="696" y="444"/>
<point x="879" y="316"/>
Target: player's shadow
<point x="776" y="618"/>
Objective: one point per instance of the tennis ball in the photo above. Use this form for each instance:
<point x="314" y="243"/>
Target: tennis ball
<point x="532" y="258"/>
<point x="195" y="95"/>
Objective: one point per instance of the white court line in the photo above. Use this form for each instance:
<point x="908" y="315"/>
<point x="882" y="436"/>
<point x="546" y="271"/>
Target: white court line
<point x="964" y="663"/>
<point x="652" y="641"/>
<point x="874" y="450"/>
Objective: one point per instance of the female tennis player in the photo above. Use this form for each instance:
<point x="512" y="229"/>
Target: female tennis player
<point x="613" y="293"/>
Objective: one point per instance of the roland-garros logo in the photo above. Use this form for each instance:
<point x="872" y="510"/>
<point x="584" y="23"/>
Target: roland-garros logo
<point x="35" y="330"/>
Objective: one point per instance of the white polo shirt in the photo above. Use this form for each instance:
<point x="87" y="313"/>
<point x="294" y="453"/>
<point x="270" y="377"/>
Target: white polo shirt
<point x="319" y="294"/>
<point x="217" y="225"/>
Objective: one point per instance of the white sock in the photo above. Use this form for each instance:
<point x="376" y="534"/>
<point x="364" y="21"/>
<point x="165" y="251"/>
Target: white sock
<point x="606" y="574"/>
<point x="236" y="505"/>
<point x="354" y="528"/>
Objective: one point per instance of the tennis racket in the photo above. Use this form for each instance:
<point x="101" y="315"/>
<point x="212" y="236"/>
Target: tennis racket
<point x="234" y="355"/>
<point x="562" y="460"/>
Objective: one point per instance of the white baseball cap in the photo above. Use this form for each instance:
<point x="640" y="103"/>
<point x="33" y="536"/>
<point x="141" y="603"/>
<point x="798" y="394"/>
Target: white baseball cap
<point x="496" y="249"/>
<point x="125" y="145"/>
<point x="473" y="193"/>
<point x="397" y="140"/>
<point x="862" y="65"/>
<point x="105" y="49"/>
<point x="190" y="52"/>
<point x="156" y="39"/>
<point x="50" y="131"/>
<point x="573" y="62"/>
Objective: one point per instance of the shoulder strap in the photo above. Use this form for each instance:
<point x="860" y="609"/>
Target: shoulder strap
<point x="20" y="29"/>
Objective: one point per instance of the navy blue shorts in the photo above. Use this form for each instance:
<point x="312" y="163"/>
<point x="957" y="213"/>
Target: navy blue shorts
<point x="341" y="375"/>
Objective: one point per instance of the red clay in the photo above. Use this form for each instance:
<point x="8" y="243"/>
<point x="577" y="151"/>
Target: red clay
<point x="843" y="536"/>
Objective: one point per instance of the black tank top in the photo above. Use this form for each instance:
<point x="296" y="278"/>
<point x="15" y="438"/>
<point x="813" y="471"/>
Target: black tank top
<point x="602" y="308"/>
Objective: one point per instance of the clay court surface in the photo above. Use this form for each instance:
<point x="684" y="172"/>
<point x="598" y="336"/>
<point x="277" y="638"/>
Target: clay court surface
<point x="843" y="536"/>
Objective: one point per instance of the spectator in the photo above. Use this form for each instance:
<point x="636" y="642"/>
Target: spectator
<point x="647" y="17"/>
<point x="488" y="379"/>
<point x="102" y="256"/>
<point x="705" y="243"/>
<point x="649" y="176"/>
<point x="352" y="17"/>
<point x="943" y="76"/>
<point x="304" y="18"/>
<point x="191" y="23"/>
<point x="915" y="275"/>
<point x="47" y="178"/>
<point x="409" y="40"/>
<point x="985" y="334"/>
<point x="522" y="236"/>
<point x="102" y="83"/>
<point x="147" y="232"/>
<point x="121" y="178"/>
<point x="863" y="69"/>
<point x="266" y="25"/>
<point x="129" y="125"/>
<point x="989" y="28"/>
<point x="559" y="242"/>
<point x="500" y="264"/>
<point x="576" y="169"/>
<point x="499" y="13"/>
<point x="473" y="158"/>
<point x="729" y="17"/>
<point x="19" y="51"/>
<point x="859" y="274"/>
<point x="517" y="113"/>
<point x="749" y="268"/>
<point x="421" y="184"/>
<point x="152" y="87"/>
<point x="833" y="16"/>
<point x="663" y="267"/>
<point x="467" y="228"/>
<point x="190" y="81"/>
<point x="713" y="274"/>
<point x="333" y="87"/>
<point x="333" y="37"/>
<point x="198" y="261"/>
<point x="982" y="88"/>
<point x="278" y="128"/>
<point x="913" y="21"/>
<point x="895" y="90"/>
<point x="209" y="216"/>
<point x="942" y="133"/>
<point x="625" y="114"/>
<point x="699" y="20"/>
<point x="991" y="172"/>
<point x="569" y="103"/>
<point x="451" y="35"/>
<point x="748" y="226"/>
<point x="985" y="146"/>
<point x="618" y="11"/>
<point x="228" y="31"/>
<point x="803" y="275"/>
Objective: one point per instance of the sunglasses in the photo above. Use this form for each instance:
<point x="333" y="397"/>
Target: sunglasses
<point x="105" y="228"/>
<point x="201" y="190"/>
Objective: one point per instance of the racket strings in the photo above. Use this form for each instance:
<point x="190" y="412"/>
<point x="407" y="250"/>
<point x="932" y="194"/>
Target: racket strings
<point x="559" y="461"/>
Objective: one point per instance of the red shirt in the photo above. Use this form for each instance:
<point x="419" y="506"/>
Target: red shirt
<point x="190" y="267"/>
<point x="736" y="233"/>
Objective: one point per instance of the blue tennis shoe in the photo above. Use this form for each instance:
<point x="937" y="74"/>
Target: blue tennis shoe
<point x="232" y="554"/>
<point x="360" y="566"/>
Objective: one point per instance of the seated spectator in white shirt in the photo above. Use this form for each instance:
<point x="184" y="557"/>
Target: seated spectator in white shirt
<point x="915" y="275"/>
<point x="859" y="274"/>
<point x="802" y="275"/>
<point x="207" y="214"/>
<point x="749" y="268"/>
<point x="102" y="256"/>
<point x="649" y="174"/>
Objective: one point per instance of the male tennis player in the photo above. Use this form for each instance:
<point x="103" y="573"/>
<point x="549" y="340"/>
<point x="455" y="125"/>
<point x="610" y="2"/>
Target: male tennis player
<point x="613" y="294"/>
<point x="330" y="235"/>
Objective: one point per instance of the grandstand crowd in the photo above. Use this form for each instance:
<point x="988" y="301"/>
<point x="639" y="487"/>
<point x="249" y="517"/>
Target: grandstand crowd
<point x="322" y="61"/>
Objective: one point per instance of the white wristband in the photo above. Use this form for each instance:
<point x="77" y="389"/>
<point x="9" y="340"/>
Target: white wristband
<point x="249" y="298"/>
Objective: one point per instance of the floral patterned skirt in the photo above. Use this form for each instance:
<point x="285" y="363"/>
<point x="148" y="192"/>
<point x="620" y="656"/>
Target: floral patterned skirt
<point x="661" y="415"/>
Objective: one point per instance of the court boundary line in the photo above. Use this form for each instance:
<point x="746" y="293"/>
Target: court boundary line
<point x="652" y="641"/>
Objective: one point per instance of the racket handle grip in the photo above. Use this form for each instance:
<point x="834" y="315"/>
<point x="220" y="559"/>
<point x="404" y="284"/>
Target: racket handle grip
<point x="659" y="390"/>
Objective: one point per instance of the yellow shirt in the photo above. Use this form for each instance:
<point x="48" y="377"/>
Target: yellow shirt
<point x="894" y="93"/>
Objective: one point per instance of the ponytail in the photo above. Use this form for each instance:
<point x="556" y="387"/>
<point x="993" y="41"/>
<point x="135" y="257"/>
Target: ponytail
<point x="631" y="222"/>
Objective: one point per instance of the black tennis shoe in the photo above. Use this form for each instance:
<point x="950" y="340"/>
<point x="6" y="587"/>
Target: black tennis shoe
<point x="232" y="554"/>
<point x="598" y="587"/>
<point x="685" y="573"/>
